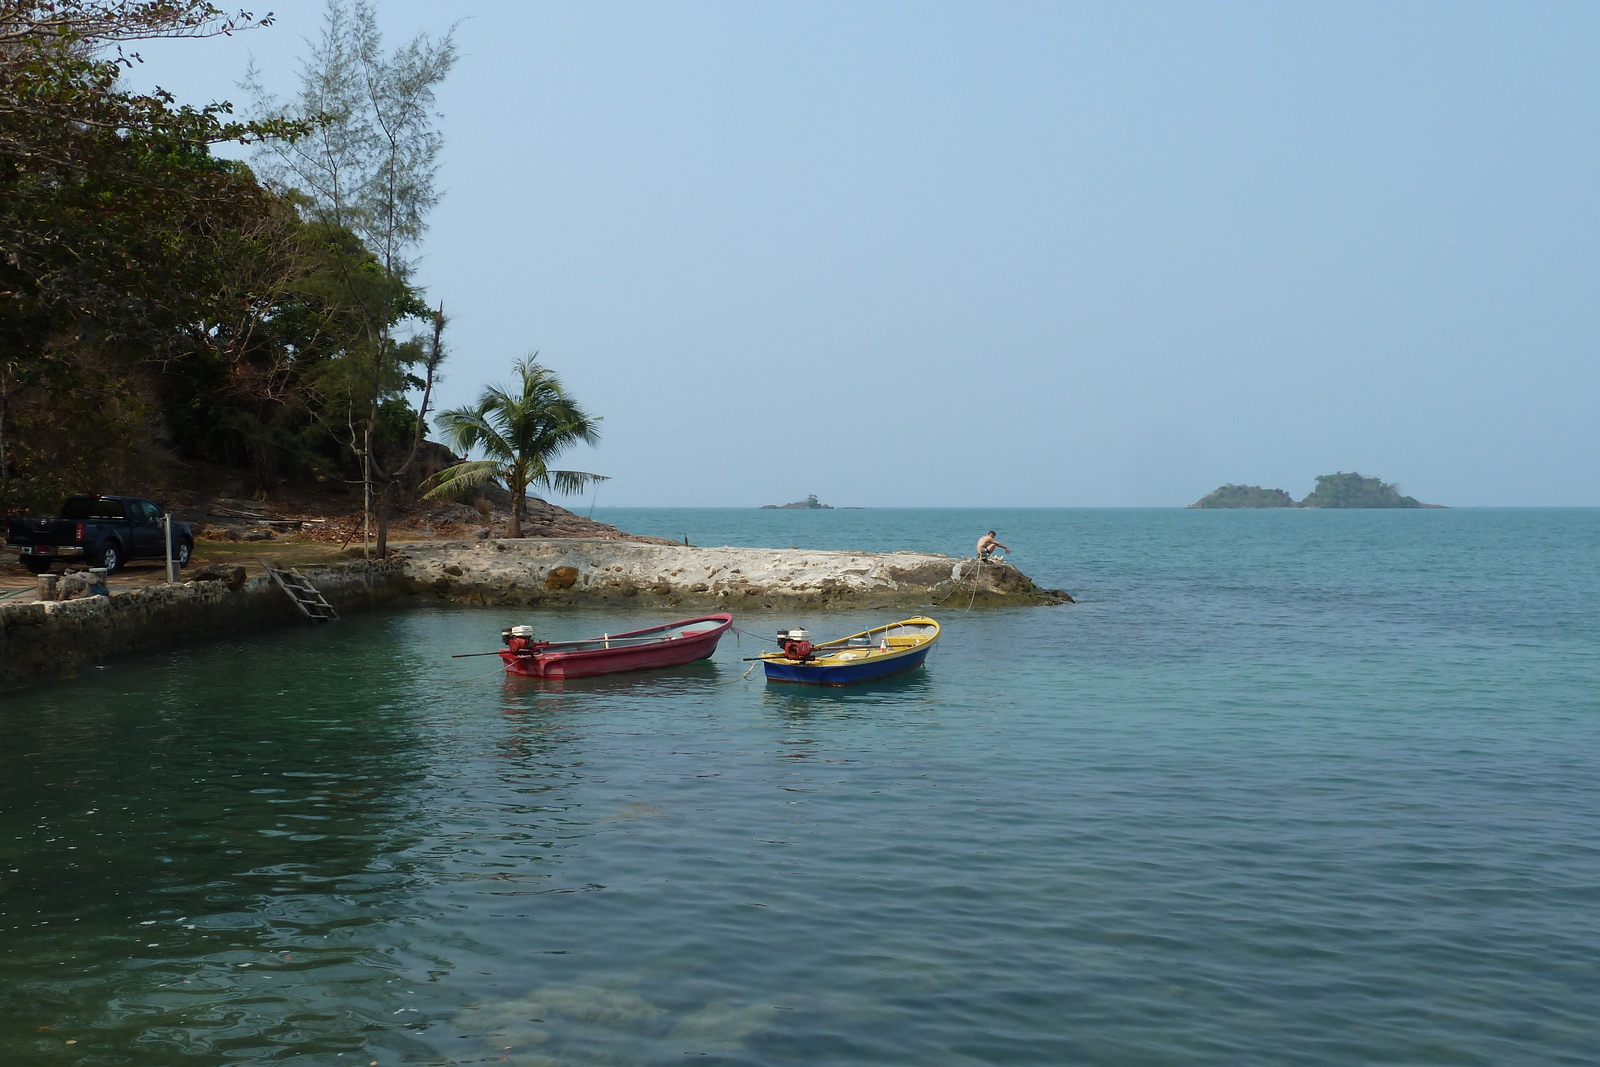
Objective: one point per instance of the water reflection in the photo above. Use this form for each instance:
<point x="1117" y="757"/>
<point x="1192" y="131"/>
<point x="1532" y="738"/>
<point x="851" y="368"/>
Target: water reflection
<point x="883" y="699"/>
<point x="668" y="681"/>
<point x="182" y="841"/>
<point x="307" y="858"/>
<point x="342" y="848"/>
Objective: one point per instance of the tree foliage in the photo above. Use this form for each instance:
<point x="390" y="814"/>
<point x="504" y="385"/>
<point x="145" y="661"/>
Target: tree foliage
<point x="521" y="430"/>
<point x="155" y="298"/>
<point x="1351" y="490"/>
<point x="368" y="166"/>
<point x="370" y="161"/>
<point x="1333" y="491"/>
<point x="112" y="201"/>
<point x="1245" y="496"/>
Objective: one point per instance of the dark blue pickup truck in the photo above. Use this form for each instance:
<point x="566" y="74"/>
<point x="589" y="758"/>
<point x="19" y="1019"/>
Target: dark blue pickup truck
<point x="104" y="531"/>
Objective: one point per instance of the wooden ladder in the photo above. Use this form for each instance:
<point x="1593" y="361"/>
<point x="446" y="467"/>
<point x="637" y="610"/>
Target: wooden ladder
<point x="300" y="589"/>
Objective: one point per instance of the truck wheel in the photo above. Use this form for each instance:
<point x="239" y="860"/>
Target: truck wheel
<point x="111" y="557"/>
<point x="182" y="553"/>
<point x="37" y="566"/>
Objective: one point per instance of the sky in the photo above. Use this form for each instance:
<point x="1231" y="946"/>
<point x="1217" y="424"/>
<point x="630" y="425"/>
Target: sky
<point x="1033" y="255"/>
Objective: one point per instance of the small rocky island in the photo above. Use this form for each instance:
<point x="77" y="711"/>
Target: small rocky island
<point x="808" y="504"/>
<point x="1339" y="490"/>
<point x="1245" y="496"/>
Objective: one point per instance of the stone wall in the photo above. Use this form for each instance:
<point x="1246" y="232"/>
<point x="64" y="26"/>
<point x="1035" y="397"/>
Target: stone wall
<point x="59" y="638"/>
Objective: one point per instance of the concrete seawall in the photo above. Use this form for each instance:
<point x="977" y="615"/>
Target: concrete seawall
<point x="57" y="639"/>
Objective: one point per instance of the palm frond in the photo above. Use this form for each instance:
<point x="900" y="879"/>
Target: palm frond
<point x="472" y="474"/>
<point x="465" y="428"/>
<point x="524" y="427"/>
<point x="567" y="481"/>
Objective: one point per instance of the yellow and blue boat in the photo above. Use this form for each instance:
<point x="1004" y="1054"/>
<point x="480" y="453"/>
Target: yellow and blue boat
<point x="863" y="657"/>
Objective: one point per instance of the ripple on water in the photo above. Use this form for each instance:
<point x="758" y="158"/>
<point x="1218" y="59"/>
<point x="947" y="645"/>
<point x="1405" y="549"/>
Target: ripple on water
<point x="1285" y="792"/>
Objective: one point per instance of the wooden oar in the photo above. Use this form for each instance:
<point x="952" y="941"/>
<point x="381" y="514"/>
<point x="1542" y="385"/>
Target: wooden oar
<point x="601" y="641"/>
<point x="780" y="655"/>
<point x="562" y="644"/>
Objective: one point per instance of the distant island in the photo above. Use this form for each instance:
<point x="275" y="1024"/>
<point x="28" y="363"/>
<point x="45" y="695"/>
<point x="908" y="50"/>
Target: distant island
<point x="1245" y="496"/>
<point x="1339" y="490"/>
<point x="808" y="504"/>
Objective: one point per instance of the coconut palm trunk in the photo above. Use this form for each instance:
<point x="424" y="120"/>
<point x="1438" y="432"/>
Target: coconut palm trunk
<point x="519" y="503"/>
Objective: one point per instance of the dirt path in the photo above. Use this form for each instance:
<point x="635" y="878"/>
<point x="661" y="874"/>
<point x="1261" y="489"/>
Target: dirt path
<point x="303" y="525"/>
<point x="19" y="582"/>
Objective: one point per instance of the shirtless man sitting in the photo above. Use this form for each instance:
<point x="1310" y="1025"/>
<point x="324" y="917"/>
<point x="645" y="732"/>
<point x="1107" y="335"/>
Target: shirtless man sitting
<point x="987" y="544"/>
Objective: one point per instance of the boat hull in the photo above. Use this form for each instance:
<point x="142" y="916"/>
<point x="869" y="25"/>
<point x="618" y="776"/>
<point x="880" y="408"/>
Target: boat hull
<point x="845" y="673"/>
<point x="680" y="643"/>
<point x="900" y="647"/>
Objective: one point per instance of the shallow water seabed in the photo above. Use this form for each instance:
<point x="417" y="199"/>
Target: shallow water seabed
<point x="1288" y="788"/>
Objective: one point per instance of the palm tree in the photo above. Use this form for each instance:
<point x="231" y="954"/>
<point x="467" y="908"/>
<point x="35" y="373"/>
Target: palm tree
<point x="521" y="431"/>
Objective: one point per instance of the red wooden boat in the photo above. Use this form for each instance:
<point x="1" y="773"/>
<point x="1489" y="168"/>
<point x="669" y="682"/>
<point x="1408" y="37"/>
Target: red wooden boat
<point x="671" y="645"/>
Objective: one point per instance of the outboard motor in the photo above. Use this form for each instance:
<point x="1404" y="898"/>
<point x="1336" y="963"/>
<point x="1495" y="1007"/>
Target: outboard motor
<point x="517" y="639"/>
<point x="796" y="644"/>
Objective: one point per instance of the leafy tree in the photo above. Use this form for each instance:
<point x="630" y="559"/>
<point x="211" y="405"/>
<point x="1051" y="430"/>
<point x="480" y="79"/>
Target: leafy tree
<point x="1353" y="491"/>
<point x="115" y="222"/>
<point x="368" y="167"/>
<point x="153" y="296"/>
<point x="111" y="198"/>
<point x="521" y="430"/>
<point x="288" y="378"/>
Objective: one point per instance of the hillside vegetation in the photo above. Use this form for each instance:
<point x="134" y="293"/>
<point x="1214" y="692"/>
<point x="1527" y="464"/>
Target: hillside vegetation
<point x="160" y="304"/>
<point x="1245" y="496"/>
<point x="1353" y="491"/>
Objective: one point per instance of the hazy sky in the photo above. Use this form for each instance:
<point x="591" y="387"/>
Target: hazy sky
<point x="1015" y="254"/>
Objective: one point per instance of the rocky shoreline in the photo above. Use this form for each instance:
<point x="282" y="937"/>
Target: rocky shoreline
<point x="573" y="570"/>
<point x="58" y="638"/>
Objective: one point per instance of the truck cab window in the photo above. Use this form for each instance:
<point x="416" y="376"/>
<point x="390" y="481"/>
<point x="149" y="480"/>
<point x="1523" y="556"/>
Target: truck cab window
<point x="88" y="507"/>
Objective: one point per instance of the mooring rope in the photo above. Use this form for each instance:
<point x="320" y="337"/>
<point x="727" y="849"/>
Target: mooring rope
<point x="956" y="588"/>
<point x="976" y="573"/>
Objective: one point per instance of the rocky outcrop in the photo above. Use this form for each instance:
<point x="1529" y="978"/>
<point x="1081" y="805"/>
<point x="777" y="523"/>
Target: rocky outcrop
<point x="808" y="504"/>
<point x="555" y="570"/>
<point x="58" y="638"/>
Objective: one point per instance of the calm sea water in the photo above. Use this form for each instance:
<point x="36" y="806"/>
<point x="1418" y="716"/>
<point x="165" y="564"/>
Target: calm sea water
<point x="1314" y="788"/>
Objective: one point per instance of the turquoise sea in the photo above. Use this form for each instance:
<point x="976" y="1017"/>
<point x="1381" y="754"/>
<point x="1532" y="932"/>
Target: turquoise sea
<point x="1285" y="788"/>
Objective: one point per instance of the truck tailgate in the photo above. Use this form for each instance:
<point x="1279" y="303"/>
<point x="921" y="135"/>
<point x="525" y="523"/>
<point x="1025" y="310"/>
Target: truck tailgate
<point x="42" y="532"/>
